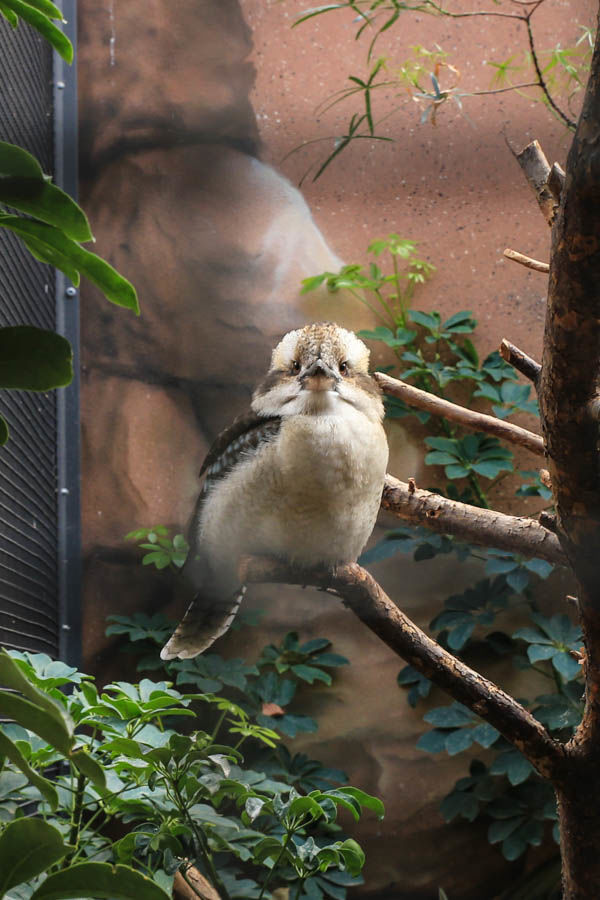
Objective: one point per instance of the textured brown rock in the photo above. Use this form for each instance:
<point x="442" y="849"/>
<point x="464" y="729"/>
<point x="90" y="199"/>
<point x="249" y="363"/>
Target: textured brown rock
<point x="145" y="450"/>
<point x="217" y="249"/>
<point x="177" y="71"/>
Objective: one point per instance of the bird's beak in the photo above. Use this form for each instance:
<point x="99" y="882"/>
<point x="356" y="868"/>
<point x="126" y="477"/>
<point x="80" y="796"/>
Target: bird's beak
<point x="318" y="377"/>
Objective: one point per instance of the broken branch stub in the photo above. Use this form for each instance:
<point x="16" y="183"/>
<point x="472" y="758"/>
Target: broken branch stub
<point x="537" y="170"/>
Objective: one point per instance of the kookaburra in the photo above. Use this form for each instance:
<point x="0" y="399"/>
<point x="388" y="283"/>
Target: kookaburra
<point x="298" y="477"/>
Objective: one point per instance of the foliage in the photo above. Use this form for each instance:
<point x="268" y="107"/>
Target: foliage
<point x="440" y="357"/>
<point x="77" y="761"/>
<point x="552" y="76"/>
<point x="53" y="229"/>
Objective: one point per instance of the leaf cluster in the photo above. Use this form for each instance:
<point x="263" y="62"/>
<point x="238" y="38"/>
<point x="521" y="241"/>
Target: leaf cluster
<point x="53" y="228"/>
<point x="75" y="759"/>
<point x="432" y="81"/>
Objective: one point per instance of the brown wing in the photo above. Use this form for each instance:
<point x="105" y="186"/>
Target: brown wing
<point x="210" y="614"/>
<point x="235" y="444"/>
<point x="244" y="434"/>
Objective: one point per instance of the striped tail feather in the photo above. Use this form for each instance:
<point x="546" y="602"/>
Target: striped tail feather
<point x="205" y="620"/>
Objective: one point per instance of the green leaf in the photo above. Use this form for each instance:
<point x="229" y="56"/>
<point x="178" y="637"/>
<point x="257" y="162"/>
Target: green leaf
<point x="310" y="284"/>
<point x="485" y="734"/>
<point x="454" y="716"/>
<point x="458" y="637"/>
<point x="33" y="359"/>
<point x="9" y="15"/>
<point x="353" y="855"/>
<point x="46" y="7"/>
<point x="453" y="472"/>
<point x="502" y="828"/>
<point x="42" y="23"/>
<point x="89" y="767"/>
<point x="431" y="322"/>
<point x="402" y="337"/>
<point x="432" y="741"/>
<point x="12" y="676"/>
<point x="513" y="764"/>
<point x="115" y="288"/>
<point x="366" y="800"/>
<point x="332" y="659"/>
<point x="460" y="803"/>
<point x="311" y="673"/>
<point x="568" y="667"/>
<point x="36" y="719"/>
<point x="518" y="580"/>
<point x="94" y="879"/>
<point x="10" y="750"/>
<point x="439" y="458"/>
<point x="513" y="847"/>
<point x="4" y="433"/>
<point x="24" y="187"/>
<point x="28" y="847"/>
<point x="539" y="566"/>
<point x="458" y="740"/>
<point x="532" y="636"/>
<point x="539" y="652"/>
<point x="490" y="468"/>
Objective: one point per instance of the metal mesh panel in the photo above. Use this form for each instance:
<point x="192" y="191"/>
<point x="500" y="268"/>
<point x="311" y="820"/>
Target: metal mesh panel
<point x="28" y="467"/>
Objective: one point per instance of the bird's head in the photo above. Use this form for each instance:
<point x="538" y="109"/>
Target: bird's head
<point x="313" y="369"/>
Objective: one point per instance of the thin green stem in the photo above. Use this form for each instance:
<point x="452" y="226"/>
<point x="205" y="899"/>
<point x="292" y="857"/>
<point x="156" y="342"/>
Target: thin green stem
<point x="474" y="482"/>
<point x="276" y="863"/>
<point x="300" y="886"/>
<point x="362" y="299"/>
<point x="76" y="819"/>
<point x="217" y="727"/>
<point x="399" y="290"/>
<point x="385" y="305"/>
<point x="200" y="843"/>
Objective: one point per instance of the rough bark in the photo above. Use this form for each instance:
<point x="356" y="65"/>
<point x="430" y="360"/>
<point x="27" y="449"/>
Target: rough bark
<point x="569" y="381"/>
<point x="367" y="600"/>
<point x="485" y="527"/>
<point x="578" y="805"/>
<point x="468" y="418"/>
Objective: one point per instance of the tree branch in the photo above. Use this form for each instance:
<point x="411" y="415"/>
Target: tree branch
<point x="468" y="418"/>
<point x="527" y="261"/>
<point x="538" y="71"/>
<point x="485" y="527"/>
<point x="520" y="361"/>
<point x="361" y="593"/>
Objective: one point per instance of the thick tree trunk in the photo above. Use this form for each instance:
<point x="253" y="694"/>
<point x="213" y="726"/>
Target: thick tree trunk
<point x="579" y="810"/>
<point x="569" y="392"/>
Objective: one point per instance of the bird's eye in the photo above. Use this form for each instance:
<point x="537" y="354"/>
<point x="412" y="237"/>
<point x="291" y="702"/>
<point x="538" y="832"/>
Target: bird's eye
<point x="296" y="366"/>
<point x="344" y="368"/>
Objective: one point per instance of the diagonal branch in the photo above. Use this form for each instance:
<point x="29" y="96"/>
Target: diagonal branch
<point x="520" y="361"/>
<point x="468" y="418"/>
<point x="485" y="527"/>
<point x="367" y="600"/>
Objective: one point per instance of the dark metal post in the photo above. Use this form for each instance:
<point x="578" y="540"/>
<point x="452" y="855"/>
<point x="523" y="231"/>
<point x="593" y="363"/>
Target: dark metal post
<point x="67" y="324"/>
